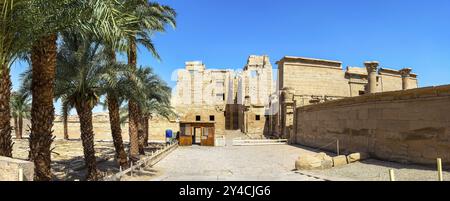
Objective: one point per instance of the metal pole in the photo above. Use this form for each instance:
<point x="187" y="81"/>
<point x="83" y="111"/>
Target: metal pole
<point x="439" y="167"/>
<point x="391" y="175"/>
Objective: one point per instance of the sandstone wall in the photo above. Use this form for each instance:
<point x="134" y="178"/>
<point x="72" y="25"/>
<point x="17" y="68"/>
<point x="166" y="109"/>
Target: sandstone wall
<point x="255" y="126"/>
<point x="411" y="126"/>
<point x="189" y="113"/>
<point x="9" y="169"/>
<point x="310" y="77"/>
<point x="102" y="131"/>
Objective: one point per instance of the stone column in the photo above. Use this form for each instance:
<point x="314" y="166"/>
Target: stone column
<point x="247" y="106"/>
<point x="288" y="109"/>
<point x="372" y="67"/>
<point x="406" y="74"/>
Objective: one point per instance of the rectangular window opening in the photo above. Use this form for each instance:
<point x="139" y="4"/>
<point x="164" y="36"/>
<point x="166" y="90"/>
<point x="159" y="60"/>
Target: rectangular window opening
<point x="258" y="117"/>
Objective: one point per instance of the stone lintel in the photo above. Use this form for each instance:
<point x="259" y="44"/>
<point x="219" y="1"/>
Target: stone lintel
<point x="436" y="91"/>
<point x="356" y="71"/>
<point x="311" y="61"/>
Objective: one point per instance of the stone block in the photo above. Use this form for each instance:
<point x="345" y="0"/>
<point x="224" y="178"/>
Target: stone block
<point x="9" y="169"/>
<point x="326" y="161"/>
<point x="356" y="157"/>
<point x="339" y="161"/>
<point x="314" y="162"/>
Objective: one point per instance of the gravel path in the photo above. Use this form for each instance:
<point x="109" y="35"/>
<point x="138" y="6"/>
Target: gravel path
<point x="275" y="163"/>
<point x="375" y="170"/>
<point x="255" y="163"/>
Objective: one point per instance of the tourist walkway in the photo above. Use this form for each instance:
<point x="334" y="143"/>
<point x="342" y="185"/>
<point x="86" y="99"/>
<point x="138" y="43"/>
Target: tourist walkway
<point x="241" y="163"/>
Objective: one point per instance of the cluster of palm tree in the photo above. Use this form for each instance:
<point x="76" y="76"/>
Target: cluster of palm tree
<point x="20" y="105"/>
<point x="71" y="46"/>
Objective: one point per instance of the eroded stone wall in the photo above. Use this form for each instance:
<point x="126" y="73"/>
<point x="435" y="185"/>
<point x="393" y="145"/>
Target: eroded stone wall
<point x="190" y="113"/>
<point x="411" y="126"/>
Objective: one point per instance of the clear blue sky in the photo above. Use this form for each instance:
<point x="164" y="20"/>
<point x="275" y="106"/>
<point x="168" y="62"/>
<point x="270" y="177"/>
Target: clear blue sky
<point x="223" y="33"/>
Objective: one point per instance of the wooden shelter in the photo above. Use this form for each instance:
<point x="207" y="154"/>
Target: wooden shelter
<point x="201" y="133"/>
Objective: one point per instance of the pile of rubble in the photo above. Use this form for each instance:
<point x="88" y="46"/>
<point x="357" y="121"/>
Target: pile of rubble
<point x="322" y="161"/>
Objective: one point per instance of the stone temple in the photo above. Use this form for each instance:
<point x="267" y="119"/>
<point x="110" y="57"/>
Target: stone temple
<point x="371" y="109"/>
<point x="253" y="101"/>
<point x="234" y="100"/>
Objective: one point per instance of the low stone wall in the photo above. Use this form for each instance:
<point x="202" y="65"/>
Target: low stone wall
<point x="9" y="169"/>
<point x="149" y="161"/>
<point x="411" y="126"/>
<point x="102" y="128"/>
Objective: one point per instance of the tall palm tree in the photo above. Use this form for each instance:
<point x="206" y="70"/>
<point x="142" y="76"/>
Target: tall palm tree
<point x="65" y="109"/>
<point x="80" y="77"/>
<point x="12" y="44"/>
<point x="152" y="17"/>
<point x="20" y="109"/>
<point x="117" y="89"/>
<point x="50" y="17"/>
<point x="155" y="100"/>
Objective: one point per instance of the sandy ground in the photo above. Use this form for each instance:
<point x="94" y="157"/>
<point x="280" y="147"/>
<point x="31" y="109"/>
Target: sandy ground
<point x="376" y="170"/>
<point x="272" y="163"/>
<point x="241" y="163"/>
<point x="68" y="161"/>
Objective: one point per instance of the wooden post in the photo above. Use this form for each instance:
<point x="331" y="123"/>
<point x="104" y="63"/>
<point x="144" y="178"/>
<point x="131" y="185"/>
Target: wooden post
<point x="391" y="175"/>
<point x="439" y="167"/>
<point x="20" y="174"/>
<point x="337" y="147"/>
<point x="131" y="172"/>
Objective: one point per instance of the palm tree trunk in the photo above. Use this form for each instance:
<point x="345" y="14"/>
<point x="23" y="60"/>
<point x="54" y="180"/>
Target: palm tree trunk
<point x="87" y="138"/>
<point x="65" y="116"/>
<point x="5" y="112"/>
<point x="43" y="58"/>
<point x="16" y="127"/>
<point x="20" y="127"/>
<point x="66" y="132"/>
<point x="116" y="131"/>
<point x="133" y="108"/>
<point x="146" y="126"/>
<point x="133" y="119"/>
<point x="141" y="133"/>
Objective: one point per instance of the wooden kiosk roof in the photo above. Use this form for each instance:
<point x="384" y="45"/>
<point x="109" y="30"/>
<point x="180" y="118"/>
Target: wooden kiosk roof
<point x="197" y="122"/>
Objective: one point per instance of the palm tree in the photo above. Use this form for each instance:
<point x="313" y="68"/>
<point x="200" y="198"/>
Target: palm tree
<point x="117" y="89"/>
<point x="50" y="17"/>
<point x="80" y="77"/>
<point x="20" y="109"/>
<point x="12" y="46"/>
<point x="65" y="109"/>
<point x="152" y="17"/>
<point x="155" y="100"/>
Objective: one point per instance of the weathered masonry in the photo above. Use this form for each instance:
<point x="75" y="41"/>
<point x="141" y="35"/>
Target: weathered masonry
<point x="304" y="81"/>
<point x="410" y="126"/>
<point x="233" y="100"/>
